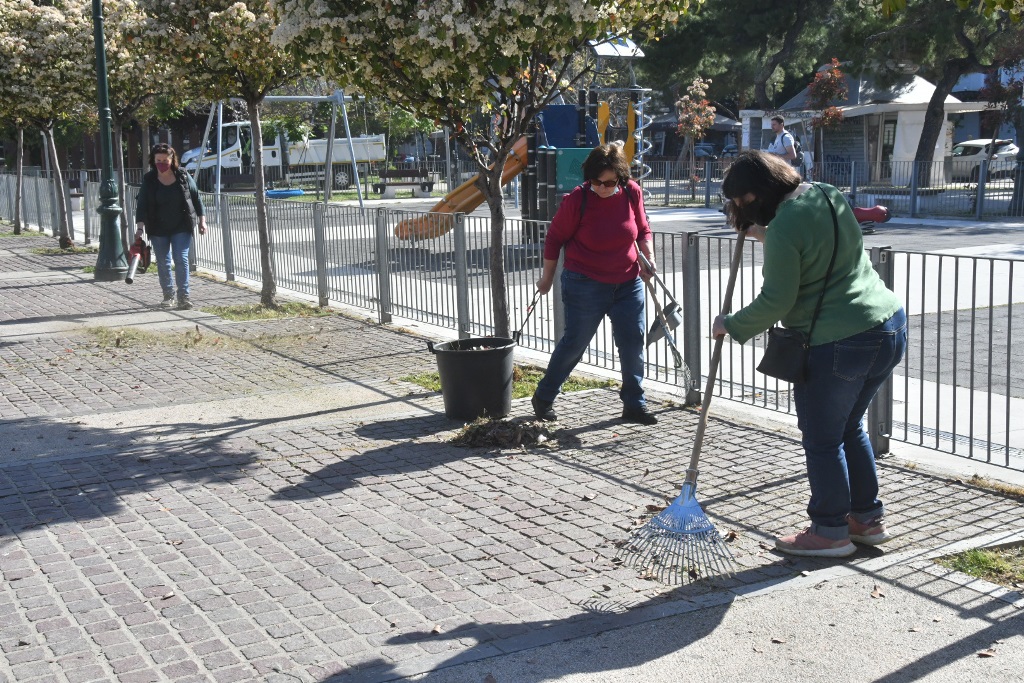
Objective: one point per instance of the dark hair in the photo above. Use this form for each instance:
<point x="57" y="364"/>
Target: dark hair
<point x="768" y="176"/>
<point x="163" y="148"/>
<point x="604" y="157"/>
<point x="779" y="119"/>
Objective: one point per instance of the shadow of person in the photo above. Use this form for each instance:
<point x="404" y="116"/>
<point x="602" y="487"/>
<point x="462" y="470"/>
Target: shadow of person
<point x="404" y="456"/>
<point x="694" y="621"/>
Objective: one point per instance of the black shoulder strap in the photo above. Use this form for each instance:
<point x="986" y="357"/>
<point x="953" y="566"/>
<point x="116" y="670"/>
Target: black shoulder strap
<point x="831" y="263"/>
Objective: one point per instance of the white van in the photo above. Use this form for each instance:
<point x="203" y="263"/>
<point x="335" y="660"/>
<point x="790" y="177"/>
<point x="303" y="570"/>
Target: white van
<point x="305" y="158"/>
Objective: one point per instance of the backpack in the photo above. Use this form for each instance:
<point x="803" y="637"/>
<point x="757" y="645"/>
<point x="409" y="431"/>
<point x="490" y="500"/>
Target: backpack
<point x="798" y="148"/>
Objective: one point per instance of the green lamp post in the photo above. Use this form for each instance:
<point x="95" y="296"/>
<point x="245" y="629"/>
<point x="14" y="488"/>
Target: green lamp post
<point x="110" y="263"/>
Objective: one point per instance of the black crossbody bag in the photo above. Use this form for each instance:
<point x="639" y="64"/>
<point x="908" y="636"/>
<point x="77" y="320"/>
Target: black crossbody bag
<point x="785" y="355"/>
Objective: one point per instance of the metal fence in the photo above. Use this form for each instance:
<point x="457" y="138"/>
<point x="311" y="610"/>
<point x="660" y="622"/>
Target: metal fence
<point x="950" y="188"/>
<point x="958" y="390"/>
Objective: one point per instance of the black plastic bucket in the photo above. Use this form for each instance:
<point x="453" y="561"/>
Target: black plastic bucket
<point x="476" y="376"/>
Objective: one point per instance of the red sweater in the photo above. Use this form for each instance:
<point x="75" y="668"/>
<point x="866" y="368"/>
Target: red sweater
<point x="602" y="245"/>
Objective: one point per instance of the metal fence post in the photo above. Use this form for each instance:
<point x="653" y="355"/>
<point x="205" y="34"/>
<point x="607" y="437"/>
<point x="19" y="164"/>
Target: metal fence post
<point x="67" y="209"/>
<point x="462" y="320"/>
<point x="225" y="237"/>
<point x="86" y="212"/>
<point x="39" y="205"/>
<point x="690" y="298"/>
<point x="667" y="166"/>
<point x="880" y="410"/>
<point x="320" y="253"/>
<point x="707" y="184"/>
<point x="982" y="182"/>
<point x="853" y="183"/>
<point x="913" y="188"/>
<point x="54" y="197"/>
<point x="383" y="266"/>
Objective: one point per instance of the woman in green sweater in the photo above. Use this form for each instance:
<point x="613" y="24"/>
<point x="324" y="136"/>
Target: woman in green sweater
<point x="859" y="337"/>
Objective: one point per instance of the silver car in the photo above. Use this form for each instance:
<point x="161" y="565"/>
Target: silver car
<point x="968" y="155"/>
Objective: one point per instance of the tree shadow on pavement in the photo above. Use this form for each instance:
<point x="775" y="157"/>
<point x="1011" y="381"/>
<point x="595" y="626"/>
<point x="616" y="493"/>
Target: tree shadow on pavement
<point x="99" y="472"/>
<point x="403" y="456"/>
<point x="495" y="639"/>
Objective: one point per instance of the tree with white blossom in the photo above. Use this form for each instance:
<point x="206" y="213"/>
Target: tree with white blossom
<point x="448" y="60"/>
<point x="44" y="52"/>
<point x="226" y="50"/>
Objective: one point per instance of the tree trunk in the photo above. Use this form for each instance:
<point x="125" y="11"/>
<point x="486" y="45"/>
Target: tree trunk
<point x="121" y="185"/>
<point x="935" y="115"/>
<point x="19" y="180"/>
<point x="499" y="292"/>
<point x="268" y="295"/>
<point x="144" y="126"/>
<point x="60" y="196"/>
<point x="783" y="55"/>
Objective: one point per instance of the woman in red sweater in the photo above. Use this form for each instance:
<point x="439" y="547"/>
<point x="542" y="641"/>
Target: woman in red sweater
<point x="601" y="276"/>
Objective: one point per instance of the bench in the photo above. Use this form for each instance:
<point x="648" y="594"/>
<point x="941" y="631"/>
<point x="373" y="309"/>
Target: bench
<point x="416" y="179"/>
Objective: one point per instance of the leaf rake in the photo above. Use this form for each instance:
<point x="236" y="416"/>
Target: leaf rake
<point x="680" y="542"/>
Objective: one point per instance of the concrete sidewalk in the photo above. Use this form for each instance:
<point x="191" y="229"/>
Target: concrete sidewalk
<point x="270" y="501"/>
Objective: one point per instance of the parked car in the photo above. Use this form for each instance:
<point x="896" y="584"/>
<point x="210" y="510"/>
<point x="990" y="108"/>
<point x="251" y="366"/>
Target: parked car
<point x="968" y="155"/>
<point x="704" y="151"/>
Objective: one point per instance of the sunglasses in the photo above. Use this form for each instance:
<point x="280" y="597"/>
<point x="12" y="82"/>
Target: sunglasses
<point x="605" y="183"/>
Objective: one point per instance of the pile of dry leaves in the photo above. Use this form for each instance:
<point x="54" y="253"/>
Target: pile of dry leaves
<point x="502" y="433"/>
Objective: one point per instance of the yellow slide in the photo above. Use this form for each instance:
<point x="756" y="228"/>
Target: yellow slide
<point x="462" y="199"/>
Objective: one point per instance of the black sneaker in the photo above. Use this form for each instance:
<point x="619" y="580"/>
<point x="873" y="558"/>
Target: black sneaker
<point x="168" y="301"/>
<point x="184" y="303"/>
<point x="640" y="416"/>
<point x="542" y="409"/>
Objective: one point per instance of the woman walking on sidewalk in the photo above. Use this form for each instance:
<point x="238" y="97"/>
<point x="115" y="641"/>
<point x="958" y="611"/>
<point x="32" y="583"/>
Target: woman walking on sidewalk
<point x="859" y="336"/>
<point x="601" y="224"/>
<point x="168" y="208"/>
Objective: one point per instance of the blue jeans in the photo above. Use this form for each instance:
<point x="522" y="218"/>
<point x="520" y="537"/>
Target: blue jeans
<point x="587" y="302"/>
<point x="175" y="246"/>
<point x="843" y="377"/>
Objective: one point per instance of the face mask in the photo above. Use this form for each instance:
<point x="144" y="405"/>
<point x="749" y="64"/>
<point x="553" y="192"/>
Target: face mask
<point x="162" y="166"/>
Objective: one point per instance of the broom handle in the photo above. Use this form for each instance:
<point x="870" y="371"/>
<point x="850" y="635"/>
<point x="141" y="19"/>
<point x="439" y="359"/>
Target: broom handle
<point x="716" y="357"/>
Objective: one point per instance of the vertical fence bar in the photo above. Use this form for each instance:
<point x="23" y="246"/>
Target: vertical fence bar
<point x="691" y="313"/>
<point x="459" y="251"/>
<point x="226" y="244"/>
<point x="667" y="166"/>
<point x="707" y="184"/>
<point x="853" y="183"/>
<point x="320" y="253"/>
<point x="87" y="211"/>
<point x="880" y="408"/>
<point x="39" y="205"/>
<point x="914" y="178"/>
<point x="979" y="201"/>
<point x="383" y="266"/>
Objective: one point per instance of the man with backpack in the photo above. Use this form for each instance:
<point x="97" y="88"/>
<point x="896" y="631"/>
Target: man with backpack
<point x="784" y="145"/>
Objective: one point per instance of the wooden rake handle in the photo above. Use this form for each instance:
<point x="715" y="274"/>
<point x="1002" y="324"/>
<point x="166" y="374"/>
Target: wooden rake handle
<point x="716" y="358"/>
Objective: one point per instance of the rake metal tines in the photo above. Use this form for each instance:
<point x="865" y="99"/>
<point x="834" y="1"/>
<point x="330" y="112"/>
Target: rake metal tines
<point x="678" y="544"/>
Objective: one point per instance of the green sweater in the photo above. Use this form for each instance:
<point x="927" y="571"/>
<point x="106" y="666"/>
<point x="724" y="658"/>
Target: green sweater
<point x="797" y="250"/>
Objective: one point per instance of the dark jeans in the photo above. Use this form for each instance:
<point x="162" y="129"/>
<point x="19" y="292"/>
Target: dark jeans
<point x="843" y="377"/>
<point x="587" y="302"/>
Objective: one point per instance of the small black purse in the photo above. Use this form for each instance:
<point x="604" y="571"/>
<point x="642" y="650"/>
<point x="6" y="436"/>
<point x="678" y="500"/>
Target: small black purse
<point x="785" y="355"/>
<point x="786" y="352"/>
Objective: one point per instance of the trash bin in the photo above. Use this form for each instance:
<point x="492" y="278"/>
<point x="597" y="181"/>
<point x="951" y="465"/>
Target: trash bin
<point x="476" y="376"/>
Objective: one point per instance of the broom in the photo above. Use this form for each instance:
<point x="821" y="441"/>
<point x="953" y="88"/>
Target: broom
<point x="680" y="540"/>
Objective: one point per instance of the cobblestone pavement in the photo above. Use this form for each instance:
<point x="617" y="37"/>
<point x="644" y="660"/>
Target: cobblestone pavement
<point x="352" y="546"/>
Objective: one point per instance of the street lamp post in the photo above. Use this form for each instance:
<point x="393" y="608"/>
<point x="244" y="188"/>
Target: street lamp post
<point x="110" y="263"/>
